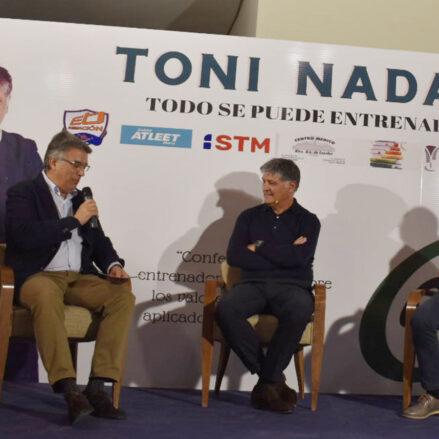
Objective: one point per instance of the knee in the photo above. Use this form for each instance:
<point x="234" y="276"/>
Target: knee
<point x="295" y="315"/>
<point x="125" y="298"/>
<point x="223" y="311"/>
<point x="41" y="298"/>
<point x="420" y="322"/>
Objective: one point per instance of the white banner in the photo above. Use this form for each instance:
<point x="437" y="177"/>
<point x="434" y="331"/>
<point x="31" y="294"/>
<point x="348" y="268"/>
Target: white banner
<point x="180" y="124"/>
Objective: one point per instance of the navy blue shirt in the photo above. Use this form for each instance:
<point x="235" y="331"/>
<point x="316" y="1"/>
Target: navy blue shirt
<point x="277" y="257"/>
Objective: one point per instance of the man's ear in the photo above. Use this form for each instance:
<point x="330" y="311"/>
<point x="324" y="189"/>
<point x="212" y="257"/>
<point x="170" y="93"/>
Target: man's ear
<point x="293" y="186"/>
<point x="52" y="162"/>
<point x="7" y="103"/>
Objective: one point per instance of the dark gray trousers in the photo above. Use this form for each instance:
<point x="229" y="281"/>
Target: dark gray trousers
<point x="425" y="324"/>
<point x="293" y="306"/>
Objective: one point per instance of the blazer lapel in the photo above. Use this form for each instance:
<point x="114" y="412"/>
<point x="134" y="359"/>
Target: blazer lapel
<point x="46" y="205"/>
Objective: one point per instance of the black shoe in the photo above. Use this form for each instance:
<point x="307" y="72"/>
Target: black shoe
<point x="267" y="396"/>
<point x="78" y="406"/>
<point x="103" y="407"/>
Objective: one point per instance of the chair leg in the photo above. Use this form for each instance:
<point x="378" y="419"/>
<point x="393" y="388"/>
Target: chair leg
<point x="207" y="332"/>
<point x="4" y="346"/>
<point x="409" y="360"/>
<point x="222" y="364"/>
<point x="73" y="345"/>
<point x="318" y="338"/>
<point x="300" y="371"/>
<point x="408" y="366"/>
<point x="316" y="370"/>
<point x="117" y="386"/>
<point x="116" y="393"/>
<point x="206" y="369"/>
<point x="6" y="297"/>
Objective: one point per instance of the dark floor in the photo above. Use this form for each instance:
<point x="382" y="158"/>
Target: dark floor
<point x="32" y="410"/>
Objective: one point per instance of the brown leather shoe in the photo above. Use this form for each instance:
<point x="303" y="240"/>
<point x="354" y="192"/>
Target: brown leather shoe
<point x="78" y="406"/>
<point x="427" y="405"/>
<point x="267" y="396"/>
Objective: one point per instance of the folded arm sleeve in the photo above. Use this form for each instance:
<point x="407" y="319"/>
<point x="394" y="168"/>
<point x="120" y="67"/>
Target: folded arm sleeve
<point x="238" y="254"/>
<point x="289" y="255"/>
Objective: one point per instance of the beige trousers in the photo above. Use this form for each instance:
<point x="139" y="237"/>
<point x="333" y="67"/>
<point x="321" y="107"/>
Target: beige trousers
<point x="45" y="295"/>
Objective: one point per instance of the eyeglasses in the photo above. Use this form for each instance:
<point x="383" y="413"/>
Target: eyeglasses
<point x="76" y="165"/>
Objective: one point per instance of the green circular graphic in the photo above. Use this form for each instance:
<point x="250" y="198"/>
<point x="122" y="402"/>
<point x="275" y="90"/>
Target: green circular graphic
<point x="373" y="341"/>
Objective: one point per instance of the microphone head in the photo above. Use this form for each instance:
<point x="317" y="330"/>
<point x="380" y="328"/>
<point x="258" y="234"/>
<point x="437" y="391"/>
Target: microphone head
<point x="88" y="194"/>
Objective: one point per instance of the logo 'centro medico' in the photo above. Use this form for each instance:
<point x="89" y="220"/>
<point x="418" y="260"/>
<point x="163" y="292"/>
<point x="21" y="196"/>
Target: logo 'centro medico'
<point x="154" y="136"/>
<point x="88" y="125"/>
<point x="224" y="142"/>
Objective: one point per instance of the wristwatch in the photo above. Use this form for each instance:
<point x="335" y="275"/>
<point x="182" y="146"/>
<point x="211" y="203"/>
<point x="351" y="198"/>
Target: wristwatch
<point x="258" y="243"/>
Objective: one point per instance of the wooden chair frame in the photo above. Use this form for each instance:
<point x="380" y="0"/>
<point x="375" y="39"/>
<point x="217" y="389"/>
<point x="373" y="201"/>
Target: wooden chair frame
<point x="211" y="295"/>
<point x="6" y="329"/>
<point x="413" y="302"/>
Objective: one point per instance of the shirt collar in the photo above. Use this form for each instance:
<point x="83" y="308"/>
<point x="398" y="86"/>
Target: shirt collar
<point x="292" y="209"/>
<point x="54" y="189"/>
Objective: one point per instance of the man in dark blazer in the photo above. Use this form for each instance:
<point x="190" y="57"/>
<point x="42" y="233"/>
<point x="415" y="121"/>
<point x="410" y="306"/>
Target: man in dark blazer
<point x="52" y="247"/>
<point x="19" y="160"/>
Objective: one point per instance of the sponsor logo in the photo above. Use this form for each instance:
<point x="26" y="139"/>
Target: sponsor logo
<point x="154" y="136"/>
<point x="88" y="125"/>
<point x="224" y="142"/>
<point x="386" y="154"/>
<point x="430" y="155"/>
<point x="314" y="146"/>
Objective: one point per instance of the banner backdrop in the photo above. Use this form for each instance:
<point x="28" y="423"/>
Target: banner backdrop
<point x="180" y="123"/>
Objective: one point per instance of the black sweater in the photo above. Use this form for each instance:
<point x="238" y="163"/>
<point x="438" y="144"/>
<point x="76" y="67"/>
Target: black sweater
<point x="277" y="257"/>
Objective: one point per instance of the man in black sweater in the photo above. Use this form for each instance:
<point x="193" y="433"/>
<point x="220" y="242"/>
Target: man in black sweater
<point x="274" y="245"/>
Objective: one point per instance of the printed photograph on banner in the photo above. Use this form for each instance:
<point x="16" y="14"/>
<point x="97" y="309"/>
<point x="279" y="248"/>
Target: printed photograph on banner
<point x="88" y="125"/>
<point x="387" y="154"/>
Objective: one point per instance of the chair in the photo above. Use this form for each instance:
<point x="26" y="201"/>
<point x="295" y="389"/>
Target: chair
<point x="265" y="326"/>
<point x="16" y="324"/>
<point x="413" y="302"/>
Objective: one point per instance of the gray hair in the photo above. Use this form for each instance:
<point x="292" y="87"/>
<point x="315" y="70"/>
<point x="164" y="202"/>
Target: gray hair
<point x="286" y="169"/>
<point x="61" y="143"/>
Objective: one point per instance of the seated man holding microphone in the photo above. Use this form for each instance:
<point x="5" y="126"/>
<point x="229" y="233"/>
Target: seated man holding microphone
<point x="52" y="247"/>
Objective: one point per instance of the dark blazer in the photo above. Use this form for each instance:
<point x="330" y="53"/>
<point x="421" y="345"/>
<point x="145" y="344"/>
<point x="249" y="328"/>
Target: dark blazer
<point x="34" y="232"/>
<point x="19" y="160"/>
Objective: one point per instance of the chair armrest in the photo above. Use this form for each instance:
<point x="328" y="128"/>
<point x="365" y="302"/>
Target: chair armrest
<point x="210" y="297"/>
<point x="6" y="299"/>
<point x="211" y="294"/>
<point x="413" y="302"/>
<point x="319" y="311"/>
<point x="320" y="301"/>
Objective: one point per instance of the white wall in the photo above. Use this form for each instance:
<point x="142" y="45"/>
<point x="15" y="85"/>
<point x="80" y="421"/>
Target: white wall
<point x="387" y="24"/>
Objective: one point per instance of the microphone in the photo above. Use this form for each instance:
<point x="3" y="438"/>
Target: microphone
<point x="88" y="195"/>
